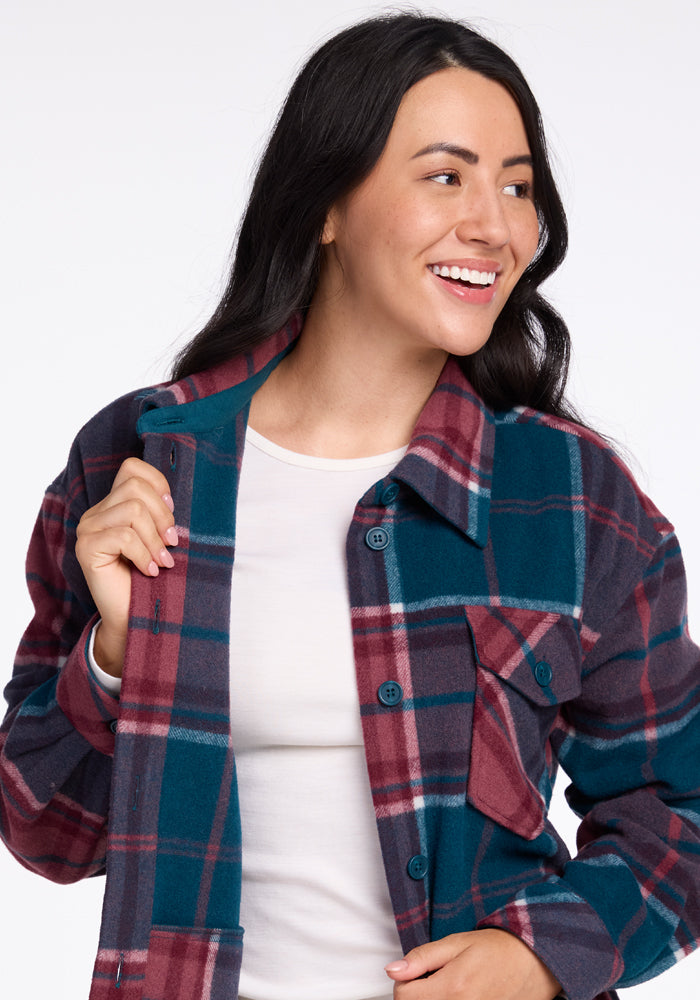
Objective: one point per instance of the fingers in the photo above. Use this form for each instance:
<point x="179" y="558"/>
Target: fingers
<point x="488" y="964"/>
<point x="133" y="526"/>
<point x="130" y="523"/>
<point x="136" y="469"/>
<point x="135" y="516"/>
<point x="426" y="958"/>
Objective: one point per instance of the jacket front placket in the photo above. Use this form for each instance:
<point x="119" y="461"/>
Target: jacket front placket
<point x="407" y="638"/>
<point x="173" y="882"/>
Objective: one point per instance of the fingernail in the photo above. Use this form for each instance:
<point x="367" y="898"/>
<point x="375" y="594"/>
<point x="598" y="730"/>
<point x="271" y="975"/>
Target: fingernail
<point x="166" y="559"/>
<point x="168" y="501"/>
<point x="152" y="569"/>
<point x="400" y="966"/>
<point x="171" y="536"/>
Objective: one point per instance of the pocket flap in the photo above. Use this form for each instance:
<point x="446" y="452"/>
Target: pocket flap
<point x="536" y="652"/>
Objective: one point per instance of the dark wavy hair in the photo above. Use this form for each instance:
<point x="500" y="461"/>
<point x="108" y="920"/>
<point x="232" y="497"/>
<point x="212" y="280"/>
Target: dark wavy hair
<point x="329" y="134"/>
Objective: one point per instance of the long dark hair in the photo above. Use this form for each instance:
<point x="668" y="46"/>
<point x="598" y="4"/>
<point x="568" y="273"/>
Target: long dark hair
<point x="329" y="134"/>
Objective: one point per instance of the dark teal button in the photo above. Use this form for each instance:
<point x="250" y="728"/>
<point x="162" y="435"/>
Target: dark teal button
<point x="390" y="493"/>
<point x="113" y="725"/>
<point x="390" y="693"/>
<point x="543" y="673"/>
<point x="377" y="538"/>
<point x="417" y="867"/>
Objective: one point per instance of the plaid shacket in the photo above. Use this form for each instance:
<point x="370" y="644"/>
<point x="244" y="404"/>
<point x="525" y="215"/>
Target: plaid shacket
<point x="516" y="604"/>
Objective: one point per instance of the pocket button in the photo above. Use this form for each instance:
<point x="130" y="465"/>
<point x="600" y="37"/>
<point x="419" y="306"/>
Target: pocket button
<point x="543" y="673"/>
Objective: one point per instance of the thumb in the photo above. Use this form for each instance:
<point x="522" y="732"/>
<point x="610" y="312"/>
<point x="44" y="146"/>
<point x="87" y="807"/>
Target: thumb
<point x="425" y="958"/>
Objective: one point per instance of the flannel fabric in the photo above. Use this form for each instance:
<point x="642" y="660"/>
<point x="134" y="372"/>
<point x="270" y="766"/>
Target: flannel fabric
<point x="517" y="604"/>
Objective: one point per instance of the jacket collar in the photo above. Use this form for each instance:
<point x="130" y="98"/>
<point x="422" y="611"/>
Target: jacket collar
<point x="449" y="461"/>
<point x="210" y="398"/>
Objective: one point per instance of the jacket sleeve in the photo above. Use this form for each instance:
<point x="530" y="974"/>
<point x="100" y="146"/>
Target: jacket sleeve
<point x="627" y="906"/>
<point x="57" y="739"/>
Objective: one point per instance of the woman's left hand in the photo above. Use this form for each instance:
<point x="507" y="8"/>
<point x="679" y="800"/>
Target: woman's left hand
<point x="489" y="964"/>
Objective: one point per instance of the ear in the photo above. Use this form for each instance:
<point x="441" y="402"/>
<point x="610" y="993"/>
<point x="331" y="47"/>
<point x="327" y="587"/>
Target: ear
<point x="330" y="226"/>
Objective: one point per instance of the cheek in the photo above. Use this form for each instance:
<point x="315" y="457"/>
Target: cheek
<point x="402" y="227"/>
<point x="411" y="219"/>
<point x="367" y="230"/>
<point x="387" y="227"/>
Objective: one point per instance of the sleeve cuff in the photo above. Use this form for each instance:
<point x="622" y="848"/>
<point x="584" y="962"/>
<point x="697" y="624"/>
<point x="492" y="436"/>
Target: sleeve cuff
<point x="109" y="682"/>
<point x="86" y="703"/>
<point x="566" y="934"/>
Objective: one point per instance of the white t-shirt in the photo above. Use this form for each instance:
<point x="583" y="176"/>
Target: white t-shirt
<point x="315" y="905"/>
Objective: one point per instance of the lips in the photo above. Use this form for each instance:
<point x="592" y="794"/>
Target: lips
<point x="471" y="282"/>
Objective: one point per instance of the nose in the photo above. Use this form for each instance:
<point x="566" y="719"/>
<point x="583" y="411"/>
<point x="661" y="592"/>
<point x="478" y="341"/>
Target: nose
<point x="482" y="217"/>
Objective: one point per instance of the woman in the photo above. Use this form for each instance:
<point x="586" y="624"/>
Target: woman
<point x="378" y="400"/>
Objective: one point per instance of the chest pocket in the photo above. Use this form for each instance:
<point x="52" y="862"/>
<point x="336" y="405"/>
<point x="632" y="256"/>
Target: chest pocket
<point x="528" y="663"/>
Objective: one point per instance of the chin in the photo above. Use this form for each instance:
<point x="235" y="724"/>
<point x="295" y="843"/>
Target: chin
<point x="462" y="346"/>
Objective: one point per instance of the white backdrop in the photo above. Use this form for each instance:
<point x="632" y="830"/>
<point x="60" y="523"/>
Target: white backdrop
<point x="130" y="131"/>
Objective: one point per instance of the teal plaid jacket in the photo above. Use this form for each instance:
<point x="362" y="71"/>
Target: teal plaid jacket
<point x="517" y="605"/>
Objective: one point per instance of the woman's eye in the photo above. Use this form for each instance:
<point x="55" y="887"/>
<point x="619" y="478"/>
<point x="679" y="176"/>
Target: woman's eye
<point x="519" y="189"/>
<point x="445" y="177"/>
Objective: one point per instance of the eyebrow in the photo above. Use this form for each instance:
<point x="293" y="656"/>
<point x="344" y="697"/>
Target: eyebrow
<point x="468" y="156"/>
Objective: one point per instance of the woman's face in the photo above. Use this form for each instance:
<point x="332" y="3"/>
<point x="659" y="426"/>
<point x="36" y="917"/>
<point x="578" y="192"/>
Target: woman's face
<point x="427" y="249"/>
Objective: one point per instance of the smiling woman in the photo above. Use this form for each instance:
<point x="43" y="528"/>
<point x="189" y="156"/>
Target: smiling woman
<point x="318" y="620"/>
<point x="325" y="146"/>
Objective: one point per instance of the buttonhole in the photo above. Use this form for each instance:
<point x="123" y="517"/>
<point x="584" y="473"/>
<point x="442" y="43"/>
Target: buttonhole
<point x="118" y="980"/>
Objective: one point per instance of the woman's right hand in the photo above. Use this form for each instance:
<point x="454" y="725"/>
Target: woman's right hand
<point x="133" y="525"/>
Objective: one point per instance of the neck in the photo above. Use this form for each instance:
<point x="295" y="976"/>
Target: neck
<point x="344" y="392"/>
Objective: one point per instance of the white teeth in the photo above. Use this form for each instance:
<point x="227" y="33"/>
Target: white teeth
<point x="464" y="274"/>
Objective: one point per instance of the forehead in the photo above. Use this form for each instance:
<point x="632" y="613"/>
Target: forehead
<point x="460" y="105"/>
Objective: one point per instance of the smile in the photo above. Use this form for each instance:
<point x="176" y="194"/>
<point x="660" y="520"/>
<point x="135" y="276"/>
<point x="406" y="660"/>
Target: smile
<point x="464" y="274"/>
